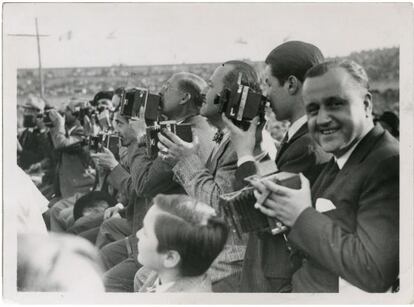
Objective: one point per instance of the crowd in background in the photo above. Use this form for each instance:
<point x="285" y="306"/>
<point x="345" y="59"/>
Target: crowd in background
<point x="131" y="221"/>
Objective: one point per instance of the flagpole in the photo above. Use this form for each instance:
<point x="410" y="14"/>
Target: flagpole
<point x="40" y="61"/>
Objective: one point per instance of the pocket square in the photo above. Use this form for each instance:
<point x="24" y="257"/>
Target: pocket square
<point x="323" y="205"/>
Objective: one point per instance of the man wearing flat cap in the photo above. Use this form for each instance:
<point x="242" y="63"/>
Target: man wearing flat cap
<point x="34" y="141"/>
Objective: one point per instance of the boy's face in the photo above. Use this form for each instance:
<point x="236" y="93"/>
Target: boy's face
<point x="148" y="255"/>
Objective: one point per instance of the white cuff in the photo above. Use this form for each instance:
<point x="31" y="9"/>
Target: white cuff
<point x="245" y="159"/>
<point x="120" y="206"/>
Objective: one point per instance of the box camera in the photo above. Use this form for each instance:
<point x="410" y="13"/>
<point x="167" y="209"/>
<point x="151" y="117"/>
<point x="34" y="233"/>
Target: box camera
<point x="107" y="140"/>
<point x="46" y="119"/>
<point x="135" y="101"/>
<point x="241" y="104"/>
<point x="183" y="131"/>
<point x="29" y="120"/>
<point x="239" y="208"/>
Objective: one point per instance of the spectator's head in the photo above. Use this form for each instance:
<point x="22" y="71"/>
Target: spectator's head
<point x="124" y="127"/>
<point x="181" y="95"/>
<point x="226" y="76"/>
<point x="34" y="104"/>
<point x="72" y="110"/>
<point x="57" y="263"/>
<point x="180" y="235"/>
<point x="391" y="122"/>
<point x="338" y="105"/>
<point x="32" y="112"/>
<point x="284" y="73"/>
<point x="94" y="202"/>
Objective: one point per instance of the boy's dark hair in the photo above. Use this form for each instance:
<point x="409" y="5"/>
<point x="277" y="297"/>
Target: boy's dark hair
<point x="91" y="200"/>
<point x="249" y="78"/>
<point x="190" y="228"/>
<point x="293" y="58"/>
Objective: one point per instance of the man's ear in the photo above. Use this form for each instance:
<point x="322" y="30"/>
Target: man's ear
<point x="186" y="98"/>
<point x="368" y="104"/>
<point x="293" y="85"/>
<point x="171" y="259"/>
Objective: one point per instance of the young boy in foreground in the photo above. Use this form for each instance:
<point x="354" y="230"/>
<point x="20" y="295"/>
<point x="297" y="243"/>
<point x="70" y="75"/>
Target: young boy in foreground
<point x="179" y="240"/>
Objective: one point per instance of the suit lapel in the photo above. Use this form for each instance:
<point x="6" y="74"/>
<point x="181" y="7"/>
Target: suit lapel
<point x="363" y="149"/>
<point x="357" y="156"/>
<point x="303" y="130"/>
<point x="215" y="156"/>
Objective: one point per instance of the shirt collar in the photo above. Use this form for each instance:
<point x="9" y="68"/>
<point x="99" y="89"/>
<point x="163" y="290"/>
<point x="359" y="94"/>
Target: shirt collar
<point x="162" y="287"/>
<point x="342" y="159"/>
<point x="296" y="125"/>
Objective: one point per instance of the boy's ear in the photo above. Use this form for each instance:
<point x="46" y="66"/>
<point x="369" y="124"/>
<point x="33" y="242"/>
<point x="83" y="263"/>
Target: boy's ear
<point x="171" y="259"/>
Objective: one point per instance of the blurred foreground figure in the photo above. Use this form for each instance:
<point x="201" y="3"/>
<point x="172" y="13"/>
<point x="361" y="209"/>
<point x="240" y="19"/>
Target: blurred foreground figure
<point x="29" y="205"/>
<point x="57" y="263"/>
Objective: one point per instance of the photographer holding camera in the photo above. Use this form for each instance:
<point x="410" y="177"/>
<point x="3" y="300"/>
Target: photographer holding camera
<point x="180" y="101"/>
<point x="206" y="181"/>
<point x="34" y="138"/>
<point x="116" y="238"/>
<point x="73" y="160"/>
<point x="267" y="265"/>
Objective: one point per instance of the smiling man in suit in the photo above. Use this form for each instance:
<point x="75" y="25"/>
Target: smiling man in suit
<point x="346" y="228"/>
<point x="266" y="267"/>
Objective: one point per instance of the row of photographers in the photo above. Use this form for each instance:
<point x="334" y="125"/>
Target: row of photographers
<point x="193" y="201"/>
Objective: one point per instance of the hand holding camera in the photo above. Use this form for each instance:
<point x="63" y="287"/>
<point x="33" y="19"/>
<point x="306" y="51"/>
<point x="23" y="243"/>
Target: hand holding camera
<point x="56" y="119"/>
<point x="283" y="203"/>
<point x="243" y="141"/>
<point x="172" y="148"/>
<point x="105" y="159"/>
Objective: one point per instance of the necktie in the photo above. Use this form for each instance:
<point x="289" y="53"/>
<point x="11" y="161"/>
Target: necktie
<point x="328" y="176"/>
<point x="218" y="136"/>
<point x="282" y="147"/>
<point x="285" y="140"/>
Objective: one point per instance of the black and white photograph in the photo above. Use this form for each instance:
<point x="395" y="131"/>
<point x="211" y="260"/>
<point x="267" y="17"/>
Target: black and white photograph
<point x="207" y="153"/>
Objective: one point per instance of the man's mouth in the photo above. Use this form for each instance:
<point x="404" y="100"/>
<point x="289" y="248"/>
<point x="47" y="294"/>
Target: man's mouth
<point x="328" y="131"/>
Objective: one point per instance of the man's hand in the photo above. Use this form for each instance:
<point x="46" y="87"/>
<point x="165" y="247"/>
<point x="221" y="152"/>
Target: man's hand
<point x="105" y="160"/>
<point x="57" y="119"/>
<point x="172" y="148"/>
<point x="283" y="203"/>
<point x="243" y="141"/>
<point x="35" y="167"/>
<point x="113" y="211"/>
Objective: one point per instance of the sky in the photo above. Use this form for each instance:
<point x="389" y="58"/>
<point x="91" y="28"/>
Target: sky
<point x="104" y="34"/>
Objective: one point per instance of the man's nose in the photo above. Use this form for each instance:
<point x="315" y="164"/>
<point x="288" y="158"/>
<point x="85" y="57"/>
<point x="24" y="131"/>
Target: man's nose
<point x="324" y="117"/>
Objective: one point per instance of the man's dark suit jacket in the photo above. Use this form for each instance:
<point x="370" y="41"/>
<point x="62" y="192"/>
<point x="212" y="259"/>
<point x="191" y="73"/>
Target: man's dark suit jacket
<point x="358" y="240"/>
<point x="267" y="266"/>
